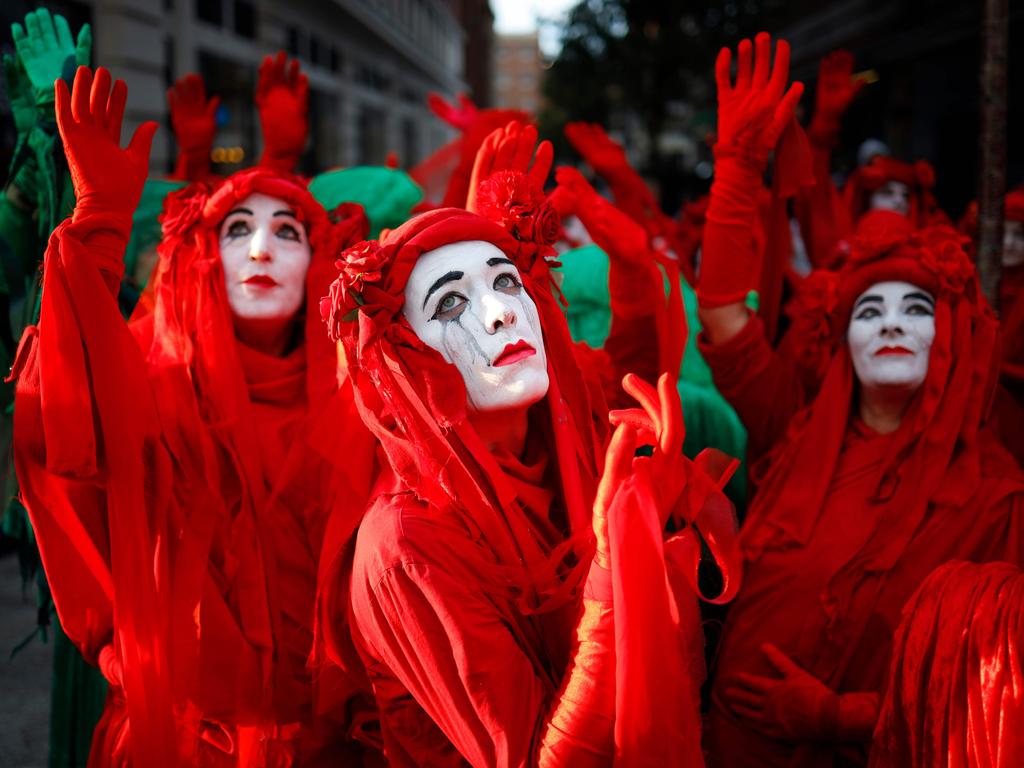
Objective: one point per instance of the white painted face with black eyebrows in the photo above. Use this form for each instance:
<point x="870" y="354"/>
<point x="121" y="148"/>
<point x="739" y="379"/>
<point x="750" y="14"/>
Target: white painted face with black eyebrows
<point x="467" y="301"/>
<point x="266" y="255"/>
<point x="891" y="331"/>
<point x="891" y="196"/>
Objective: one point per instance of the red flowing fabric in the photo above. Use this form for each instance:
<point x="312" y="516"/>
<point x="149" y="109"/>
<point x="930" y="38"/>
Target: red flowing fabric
<point x="918" y="176"/>
<point x="180" y="489"/>
<point x="488" y="608"/>
<point x="956" y="690"/>
<point x="846" y="523"/>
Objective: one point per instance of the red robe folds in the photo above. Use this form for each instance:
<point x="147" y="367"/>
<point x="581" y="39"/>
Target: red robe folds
<point x="179" y="490"/>
<point x="846" y="522"/>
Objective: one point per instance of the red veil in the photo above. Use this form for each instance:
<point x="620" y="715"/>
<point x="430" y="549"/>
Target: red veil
<point x="414" y="403"/>
<point x="139" y="452"/>
<point x="918" y="176"/>
<point x="936" y="455"/>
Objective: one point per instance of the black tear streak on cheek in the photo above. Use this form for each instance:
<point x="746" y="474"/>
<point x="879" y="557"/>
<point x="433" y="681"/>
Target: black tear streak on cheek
<point x="473" y="344"/>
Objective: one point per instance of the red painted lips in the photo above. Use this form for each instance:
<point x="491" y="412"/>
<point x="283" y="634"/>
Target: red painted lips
<point x="885" y="351"/>
<point x="513" y="353"/>
<point x="260" y="281"/>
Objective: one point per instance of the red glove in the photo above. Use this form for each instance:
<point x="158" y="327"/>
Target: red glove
<point x="512" y="148"/>
<point x="108" y="180"/>
<point x="798" y="706"/>
<point x="194" y="122"/>
<point x="836" y="89"/>
<point x="605" y="156"/>
<point x="282" y="98"/>
<point x="751" y="116"/>
<point x="634" y="281"/>
<point x="460" y="117"/>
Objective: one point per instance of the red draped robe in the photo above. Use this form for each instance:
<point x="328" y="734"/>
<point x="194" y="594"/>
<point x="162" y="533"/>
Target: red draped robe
<point x="785" y="596"/>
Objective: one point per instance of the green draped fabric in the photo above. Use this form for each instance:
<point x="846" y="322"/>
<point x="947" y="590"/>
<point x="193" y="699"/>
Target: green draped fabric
<point x="388" y="195"/>
<point x="710" y="420"/>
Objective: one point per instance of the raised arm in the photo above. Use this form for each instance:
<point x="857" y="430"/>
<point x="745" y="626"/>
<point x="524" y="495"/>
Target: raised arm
<point x="752" y="113"/>
<point x="635" y="284"/>
<point x="194" y="122"/>
<point x="819" y="209"/>
<point x="282" y="98"/>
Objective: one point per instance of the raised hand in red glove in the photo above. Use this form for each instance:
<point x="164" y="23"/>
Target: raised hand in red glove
<point x="107" y="179"/>
<point x="836" y="89"/>
<point x="605" y="156"/>
<point x="512" y="148"/>
<point x="194" y="122"/>
<point x="282" y="98"/>
<point x="460" y="116"/>
<point x="752" y="113"/>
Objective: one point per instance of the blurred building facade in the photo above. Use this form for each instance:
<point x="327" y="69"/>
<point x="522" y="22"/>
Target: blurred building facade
<point x="371" y="64"/>
<point x="477" y="20"/>
<point x="518" y="69"/>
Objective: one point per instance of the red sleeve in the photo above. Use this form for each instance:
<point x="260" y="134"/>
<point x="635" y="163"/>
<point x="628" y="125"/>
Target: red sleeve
<point x="88" y="457"/>
<point x="763" y="387"/>
<point x="819" y="209"/>
<point x="435" y="635"/>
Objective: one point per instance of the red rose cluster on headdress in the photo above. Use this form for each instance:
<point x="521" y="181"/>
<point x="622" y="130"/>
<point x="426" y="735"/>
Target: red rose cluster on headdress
<point x="360" y="266"/>
<point x="933" y="258"/>
<point x="183" y="208"/>
<point x="511" y="200"/>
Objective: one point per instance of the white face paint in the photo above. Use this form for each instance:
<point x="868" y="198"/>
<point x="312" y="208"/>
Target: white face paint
<point x="891" y="196"/>
<point x="466" y="300"/>
<point x="266" y="255"/>
<point x="1013" y="243"/>
<point x="890" y="335"/>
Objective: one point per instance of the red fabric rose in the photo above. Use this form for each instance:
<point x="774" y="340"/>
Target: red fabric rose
<point x="183" y="208"/>
<point x="509" y="199"/>
<point x="359" y="265"/>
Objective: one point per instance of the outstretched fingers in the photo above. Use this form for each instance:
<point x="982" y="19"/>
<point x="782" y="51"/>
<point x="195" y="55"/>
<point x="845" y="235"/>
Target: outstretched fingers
<point x="744" y="56"/>
<point x="672" y="426"/>
<point x="542" y="164"/>
<point x="80" y="91"/>
<point x="787" y="108"/>
<point x="618" y="462"/>
<point x="99" y="95"/>
<point x="115" y="110"/>
<point x="780" y="72"/>
<point x="762" y="60"/>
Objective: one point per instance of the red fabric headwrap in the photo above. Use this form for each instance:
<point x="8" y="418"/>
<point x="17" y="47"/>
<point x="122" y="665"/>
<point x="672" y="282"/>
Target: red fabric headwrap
<point x="934" y="456"/>
<point x="414" y="401"/>
<point x="919" y="177"/>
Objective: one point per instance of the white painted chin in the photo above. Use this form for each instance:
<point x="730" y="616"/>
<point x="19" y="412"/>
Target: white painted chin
<point x="904" y="371"/>
<point x="509" y="387"/>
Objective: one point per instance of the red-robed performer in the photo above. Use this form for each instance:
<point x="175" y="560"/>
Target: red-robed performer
<point x="170" y="466"/>
<point x="499" y="621"/>
<point x="887" y="473"/>
<point x="956" y="687"/>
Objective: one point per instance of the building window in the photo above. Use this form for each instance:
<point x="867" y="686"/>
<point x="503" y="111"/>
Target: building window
<point x="210" y="11"/>
<point x="316" y="49"/>
<point x="245" y="19"/>
<point x="370" y="124"/>
<point x="334" y="60"/>
<point x="410" y="143"/>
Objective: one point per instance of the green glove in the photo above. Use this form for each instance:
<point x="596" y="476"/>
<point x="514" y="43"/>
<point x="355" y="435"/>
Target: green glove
<point x="47" y="51"/>
<point x="19" y="94"/>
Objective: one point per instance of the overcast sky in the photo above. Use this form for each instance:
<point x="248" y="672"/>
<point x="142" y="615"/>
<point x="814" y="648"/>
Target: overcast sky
<point x="518" y="16"/>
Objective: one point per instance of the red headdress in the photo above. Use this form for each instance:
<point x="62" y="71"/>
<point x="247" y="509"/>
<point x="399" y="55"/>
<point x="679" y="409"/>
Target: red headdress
<point x="919" y="178"/>
<point x="414" y="401"/>
<point x="199" y="375"/>
<point x="934" y="456"/>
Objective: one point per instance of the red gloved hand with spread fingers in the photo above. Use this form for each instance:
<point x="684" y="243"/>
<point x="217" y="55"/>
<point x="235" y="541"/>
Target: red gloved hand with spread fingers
<point x="282" y="98"/>
<point x="752" y="113"/>
<point x="836" y="89"/>
<point x="194" y="122"/>
<point x="512" y="148"/>
<point x="798" y="706"/>
<point x="107" y="179"/>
